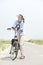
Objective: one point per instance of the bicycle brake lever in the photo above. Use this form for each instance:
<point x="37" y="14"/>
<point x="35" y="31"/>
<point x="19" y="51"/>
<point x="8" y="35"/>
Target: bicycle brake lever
<point x="8" y="28"/>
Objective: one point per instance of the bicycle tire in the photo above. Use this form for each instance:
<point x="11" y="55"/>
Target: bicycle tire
<point x="15" y="51"/>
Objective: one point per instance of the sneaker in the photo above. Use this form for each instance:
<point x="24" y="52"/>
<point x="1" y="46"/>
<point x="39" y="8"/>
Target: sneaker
<point x="23" y="57"/>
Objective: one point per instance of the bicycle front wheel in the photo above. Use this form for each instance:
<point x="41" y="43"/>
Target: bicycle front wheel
<point x="14" y="52"/>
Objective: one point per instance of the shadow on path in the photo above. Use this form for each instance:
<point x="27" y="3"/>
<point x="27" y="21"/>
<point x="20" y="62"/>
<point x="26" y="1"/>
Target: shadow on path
<point x="5" y="58"/>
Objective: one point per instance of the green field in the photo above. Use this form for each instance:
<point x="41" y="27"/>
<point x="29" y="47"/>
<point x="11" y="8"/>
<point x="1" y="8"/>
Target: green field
<point x="39" y="42"/>
<point x="4" y="44"/>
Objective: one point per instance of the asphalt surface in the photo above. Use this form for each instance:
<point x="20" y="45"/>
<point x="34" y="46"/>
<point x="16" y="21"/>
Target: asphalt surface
<point x="33" y="56"/>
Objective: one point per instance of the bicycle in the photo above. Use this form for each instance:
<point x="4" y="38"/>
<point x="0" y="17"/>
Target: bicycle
<point x="15" y="45"/>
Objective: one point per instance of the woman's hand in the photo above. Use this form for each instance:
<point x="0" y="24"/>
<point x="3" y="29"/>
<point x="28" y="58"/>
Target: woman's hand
<point x="18" y="27"/>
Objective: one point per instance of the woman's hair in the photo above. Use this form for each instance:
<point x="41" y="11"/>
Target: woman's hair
<point x="23" y="20"/>
<point x="22" y="17"/>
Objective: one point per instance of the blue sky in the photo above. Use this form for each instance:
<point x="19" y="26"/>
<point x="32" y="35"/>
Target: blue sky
<point x="33" y="14"/>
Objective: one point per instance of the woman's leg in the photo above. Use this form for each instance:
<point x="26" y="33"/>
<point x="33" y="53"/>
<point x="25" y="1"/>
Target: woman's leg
<point x="22" y="46"/>
<point x="21" y="42"/>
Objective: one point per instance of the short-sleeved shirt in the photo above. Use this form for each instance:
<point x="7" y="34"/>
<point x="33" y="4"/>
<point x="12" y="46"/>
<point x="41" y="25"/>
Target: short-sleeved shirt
<point x="20" y="31"/>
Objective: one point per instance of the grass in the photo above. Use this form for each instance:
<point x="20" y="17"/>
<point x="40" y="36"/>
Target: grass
<point x="39" y="42"/>
<point x="4" y="44"/>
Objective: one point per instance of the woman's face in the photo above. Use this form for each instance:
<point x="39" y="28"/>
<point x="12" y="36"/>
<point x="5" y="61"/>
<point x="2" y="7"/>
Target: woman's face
<point x="19" y="18"/>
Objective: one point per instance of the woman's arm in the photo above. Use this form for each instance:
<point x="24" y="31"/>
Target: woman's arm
<point x="21" y="26"/>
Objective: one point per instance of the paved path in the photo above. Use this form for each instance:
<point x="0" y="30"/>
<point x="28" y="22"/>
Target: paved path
<point x="33" y="53"/>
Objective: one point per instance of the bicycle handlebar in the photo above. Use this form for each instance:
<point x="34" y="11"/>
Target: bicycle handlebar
<point x="16" y="28"/>
<point x="11" y="28"/>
